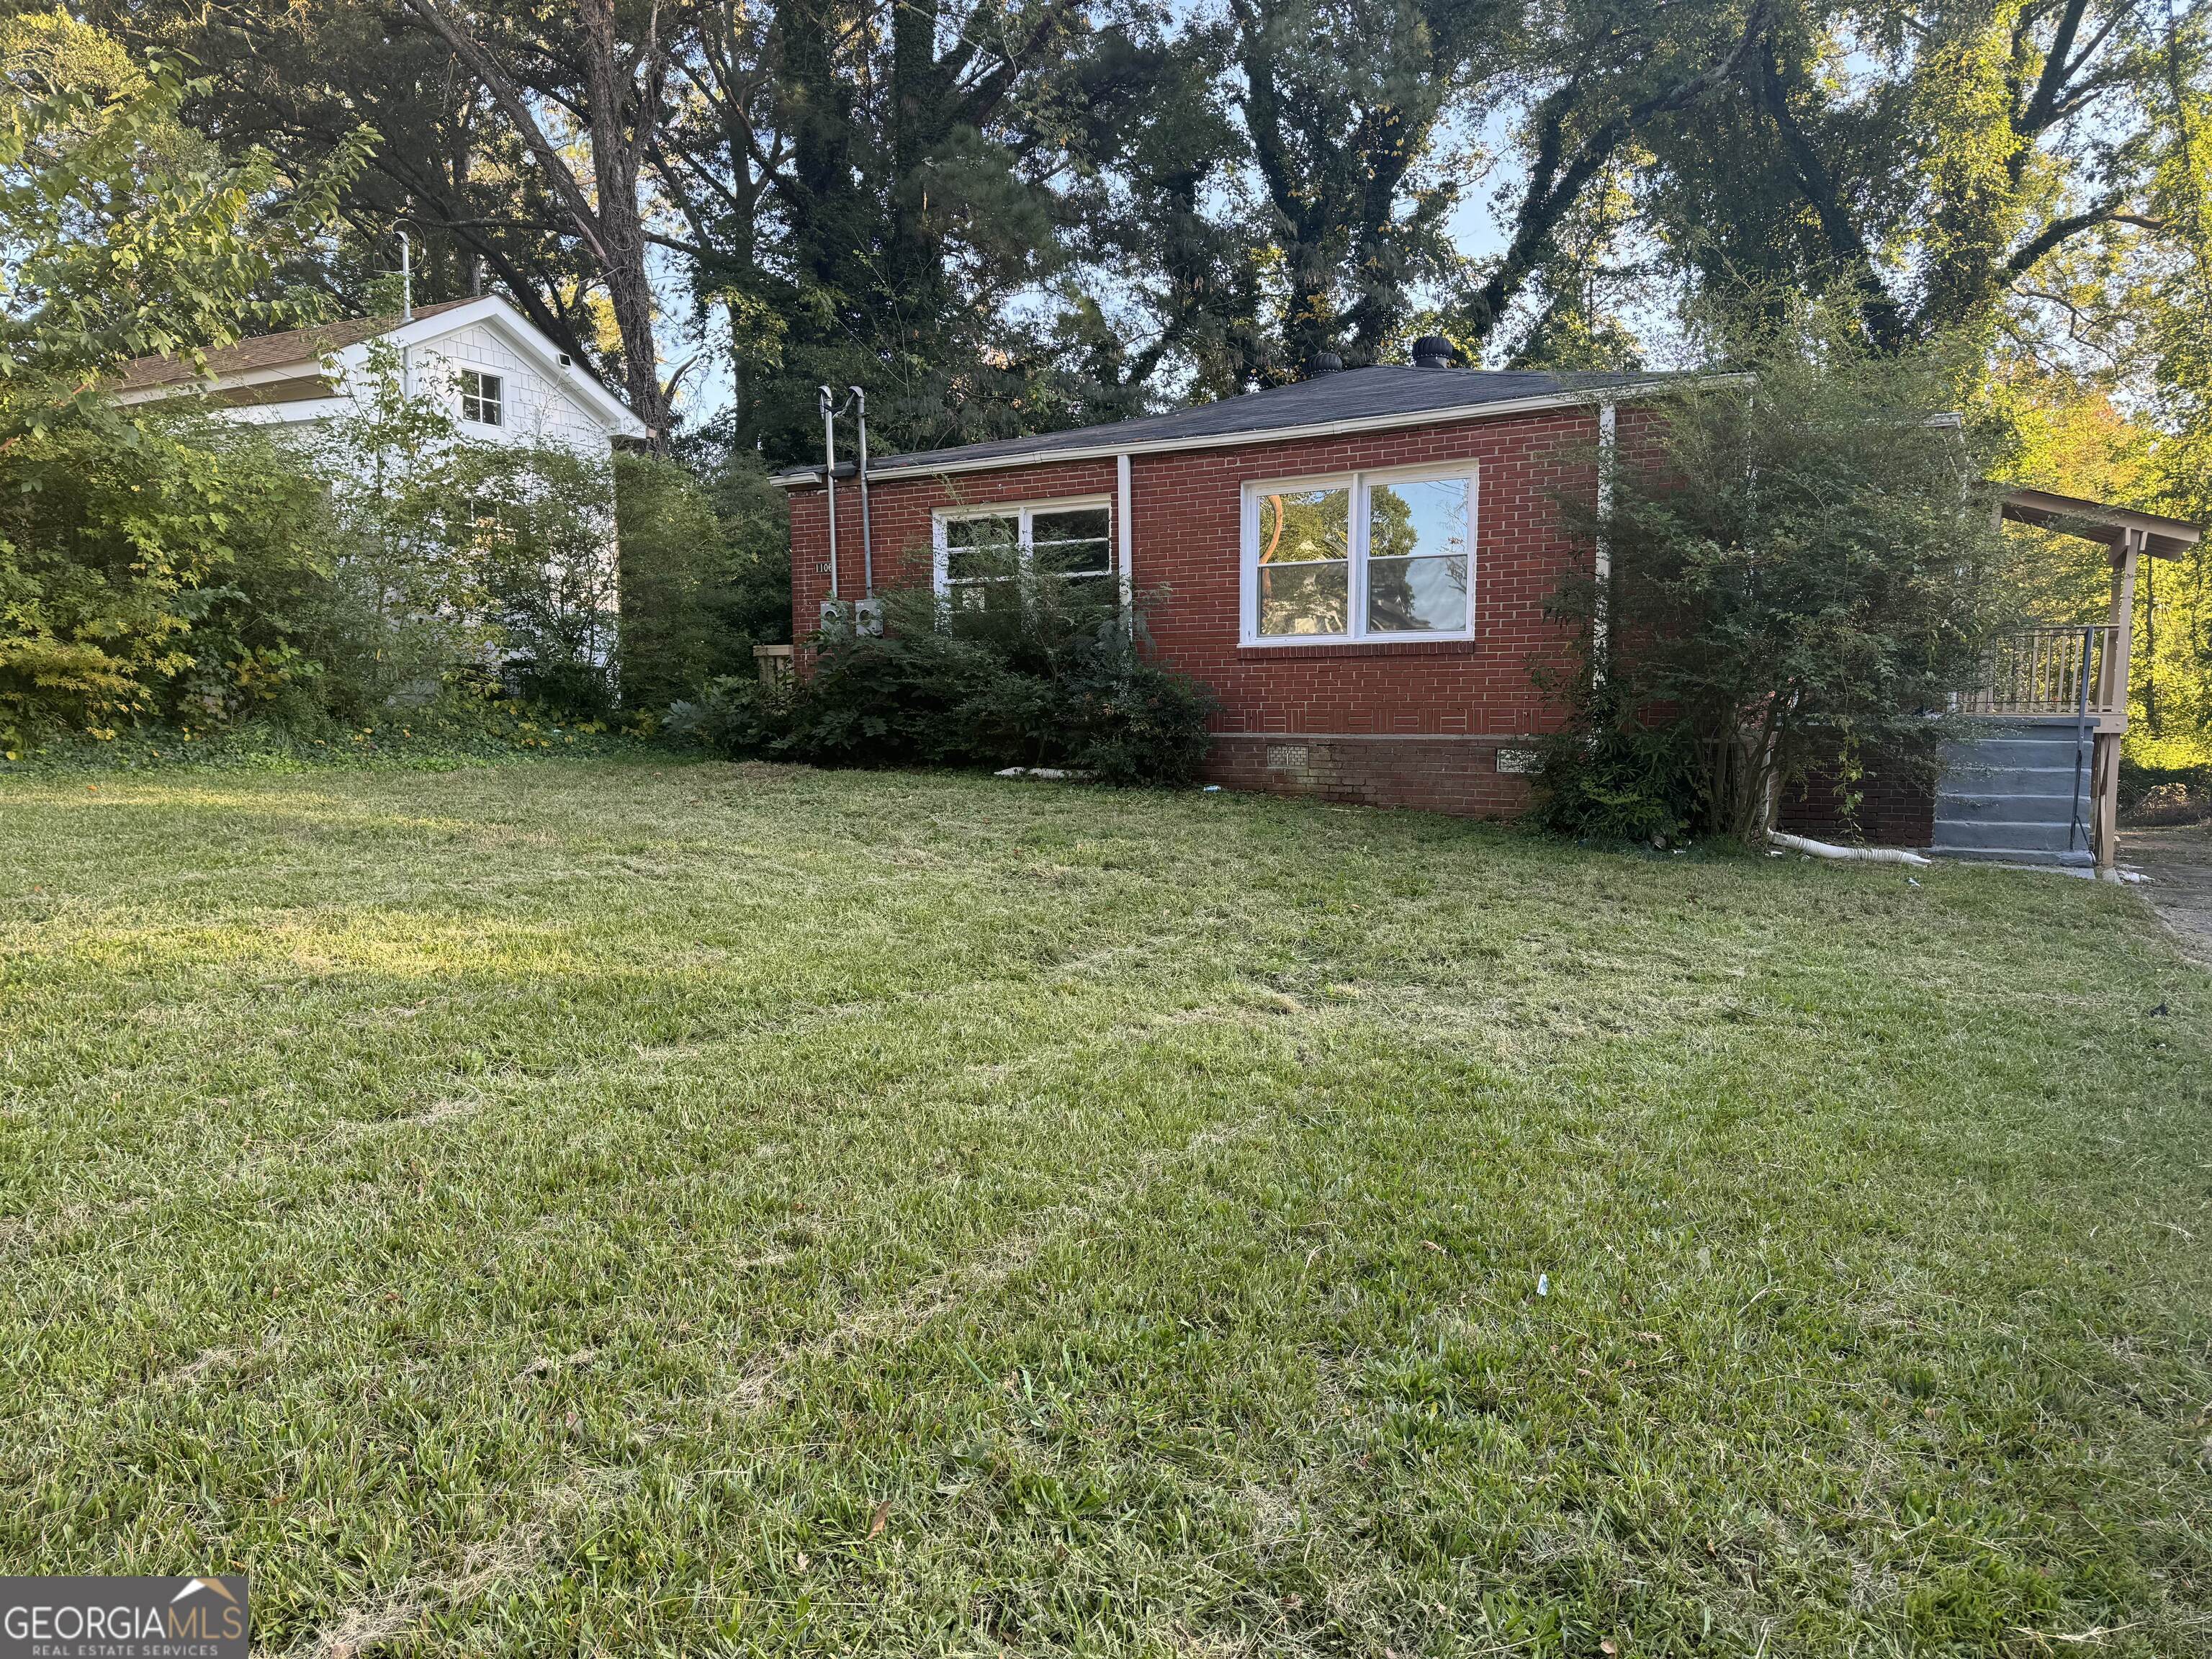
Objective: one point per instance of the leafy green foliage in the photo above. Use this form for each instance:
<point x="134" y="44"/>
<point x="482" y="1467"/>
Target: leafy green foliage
<point x="1040" y="672"/>
<point x="540" y="524"/>
<point x="706" y="575"/>
<point x="151" y="565"/>
<point x="470" y="721"/>
<point x="124" y="235"/>
<point x="410" y="557"/>
<point x="1802" y="569"/>
<point x="1609" y="776"/>
<point x="162" y="567"/>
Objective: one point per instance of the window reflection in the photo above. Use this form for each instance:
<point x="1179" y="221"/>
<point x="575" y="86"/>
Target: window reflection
<point x="1305" y="561"/>
<point x="1417" y="560"/>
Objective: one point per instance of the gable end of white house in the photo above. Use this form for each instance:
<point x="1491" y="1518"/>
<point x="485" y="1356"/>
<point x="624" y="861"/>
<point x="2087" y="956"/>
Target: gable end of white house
<point x="499" y="379"/>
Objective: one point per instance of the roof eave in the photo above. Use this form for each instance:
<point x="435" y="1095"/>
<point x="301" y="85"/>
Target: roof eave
<point x="502" y="313"/>
<point x="794" y="477"/>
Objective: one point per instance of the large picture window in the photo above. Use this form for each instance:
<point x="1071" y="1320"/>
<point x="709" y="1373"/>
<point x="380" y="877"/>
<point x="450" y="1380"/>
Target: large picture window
<point x="1363" y="557"/>
<point x="977" y="550"/>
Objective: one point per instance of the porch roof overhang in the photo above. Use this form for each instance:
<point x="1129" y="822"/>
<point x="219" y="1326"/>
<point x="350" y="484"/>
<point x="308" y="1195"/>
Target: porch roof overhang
<point x="2161" y="537"/>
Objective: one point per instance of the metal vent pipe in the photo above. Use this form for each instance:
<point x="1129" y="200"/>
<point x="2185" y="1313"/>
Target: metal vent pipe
<point x="829" y="478"/>
<point x="867" y="534"/>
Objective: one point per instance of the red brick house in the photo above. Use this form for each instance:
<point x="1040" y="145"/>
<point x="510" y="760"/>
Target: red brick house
<point x="1357" y="565"/>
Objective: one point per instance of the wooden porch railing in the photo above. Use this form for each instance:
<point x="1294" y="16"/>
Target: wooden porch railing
<point x="2052" y="671"/>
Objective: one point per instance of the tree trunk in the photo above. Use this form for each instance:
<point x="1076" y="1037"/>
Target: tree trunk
<point x="621" y="111"/>
<point x="622" y="114"/>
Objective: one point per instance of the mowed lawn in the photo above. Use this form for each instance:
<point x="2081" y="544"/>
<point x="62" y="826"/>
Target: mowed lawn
<point x="617" y="1207"/>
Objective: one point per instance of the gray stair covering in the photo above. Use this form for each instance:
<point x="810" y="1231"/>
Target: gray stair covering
<point x="2009" y="793"/>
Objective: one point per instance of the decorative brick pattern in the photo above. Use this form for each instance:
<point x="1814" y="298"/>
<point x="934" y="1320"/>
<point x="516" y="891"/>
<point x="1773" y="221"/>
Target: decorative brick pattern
<point x="1415" y="723"/>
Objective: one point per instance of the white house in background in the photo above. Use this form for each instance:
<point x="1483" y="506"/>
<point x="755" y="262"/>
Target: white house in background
<point x="502" y="380"/>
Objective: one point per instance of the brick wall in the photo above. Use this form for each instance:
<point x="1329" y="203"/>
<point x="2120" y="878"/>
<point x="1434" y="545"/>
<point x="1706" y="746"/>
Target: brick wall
<point x="1897" y="806"/>
<point x="1400" y="723"/>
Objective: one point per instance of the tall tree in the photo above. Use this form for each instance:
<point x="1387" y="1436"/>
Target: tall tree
<point x="293" y="76"/>
<point x="1596" y="77"/>
<point x="869" y="190"/>
<point x="607" y="73"/>
<point x="1347" y="105"/>
<point x="1928" y="155"/>
<point x="1341" y="101"/>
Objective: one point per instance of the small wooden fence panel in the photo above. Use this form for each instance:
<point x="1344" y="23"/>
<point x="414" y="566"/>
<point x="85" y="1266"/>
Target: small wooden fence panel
<point x="773" y="662"/>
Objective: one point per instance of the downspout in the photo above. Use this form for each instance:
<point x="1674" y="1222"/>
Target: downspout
<point x="867" y="536"/>
<point x="829" y="478"/>
<point x="1124" y="533"/>
<point x="1602" y="568"/>
<point x="406" y="312"/>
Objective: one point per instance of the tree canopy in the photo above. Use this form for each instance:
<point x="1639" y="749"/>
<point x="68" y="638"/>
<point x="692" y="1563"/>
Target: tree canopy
<point x="1000" y="215"/>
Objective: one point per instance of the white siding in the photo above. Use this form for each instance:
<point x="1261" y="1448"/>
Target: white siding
<point x="536" y="410"/>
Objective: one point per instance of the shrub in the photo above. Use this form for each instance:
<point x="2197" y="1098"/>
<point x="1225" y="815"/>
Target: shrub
<point x="1802" y="569"/>
<point x="159" y="568"/>
<point x="540" y="523"/>
<point x="160" y="565"/>
<point x="706" y="575"/>
<point x="1609" y="777"/>
<point x="1038" y="671"/>
<point x="1139" y="723"/>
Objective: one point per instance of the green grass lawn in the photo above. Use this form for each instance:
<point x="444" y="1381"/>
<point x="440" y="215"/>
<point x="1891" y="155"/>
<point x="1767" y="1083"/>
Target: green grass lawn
<point x="604" y="1206"/>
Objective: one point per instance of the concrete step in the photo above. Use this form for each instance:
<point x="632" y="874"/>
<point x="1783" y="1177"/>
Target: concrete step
<point x="2038" y="808"/>
<point x="1989" y="726"/>
<point x="2014" y="752"/>
<point x="2032" y="836"/>
<point x="2074" y="861"/>
<point x="2056" y="781"/>
<point x="2012" y="792"/>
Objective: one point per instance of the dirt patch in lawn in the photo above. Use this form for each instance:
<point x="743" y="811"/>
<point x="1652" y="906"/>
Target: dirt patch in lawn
<point x="2177" y="859"/>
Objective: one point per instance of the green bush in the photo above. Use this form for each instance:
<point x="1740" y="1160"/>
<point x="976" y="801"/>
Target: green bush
<point x="706" y="575"/>
<point x="541" y="530"/>
<point x="164" y="568"/>
<point x="1609" y="777"/>
<point x="1802" y="567"/>
<point x="1040" y="672"/>
<point x="157" y="568"/>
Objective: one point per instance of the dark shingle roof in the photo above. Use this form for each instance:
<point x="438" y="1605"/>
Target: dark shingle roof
<point x="297" y="345"/>
<point x="1380" y="394"/>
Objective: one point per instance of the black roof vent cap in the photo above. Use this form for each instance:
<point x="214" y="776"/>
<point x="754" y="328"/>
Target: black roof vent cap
<point x="1324" y="362"/>
<point x="1433" y="351"/>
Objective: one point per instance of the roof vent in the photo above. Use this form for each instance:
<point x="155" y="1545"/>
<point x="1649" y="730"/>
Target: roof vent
<point x="1324" y="362"/>
<point x="1433" y="351"/>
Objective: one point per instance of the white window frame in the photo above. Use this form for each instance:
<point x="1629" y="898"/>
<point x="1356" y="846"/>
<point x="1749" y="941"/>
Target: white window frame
<point x="1359" y="484"/>
<point x="496" y="400"/>
<point x="1024" y="514"/>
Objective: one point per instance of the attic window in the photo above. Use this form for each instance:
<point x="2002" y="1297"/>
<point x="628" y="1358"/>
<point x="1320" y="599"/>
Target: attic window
<point x="483" y="398"/>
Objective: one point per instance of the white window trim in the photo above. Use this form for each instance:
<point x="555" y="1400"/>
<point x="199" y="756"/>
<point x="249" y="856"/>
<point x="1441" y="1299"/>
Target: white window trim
<point x="1358" y="483"/>
<point x="1023" y="513"/>
<point x="495" y="402"/>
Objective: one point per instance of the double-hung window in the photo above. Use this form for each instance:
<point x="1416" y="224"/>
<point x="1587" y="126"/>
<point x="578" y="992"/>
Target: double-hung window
<point x="1362" y="556"/>
<point x="979" y="549"/>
